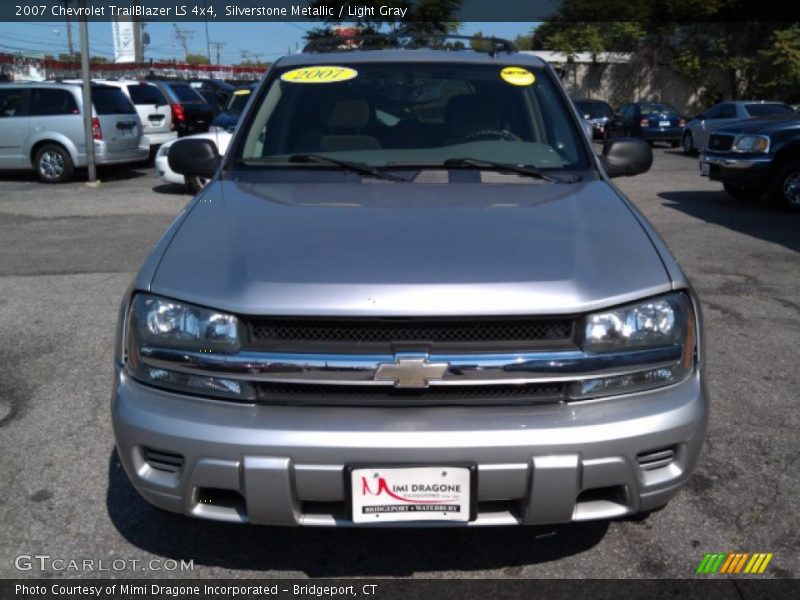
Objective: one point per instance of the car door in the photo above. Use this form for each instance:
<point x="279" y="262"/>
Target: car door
<point x="14" y="128"/>
<point x="152" y="106"/>
<point x="56" y="116"/>
<point x="711" y="120"/>
<point x="616" y="124"/>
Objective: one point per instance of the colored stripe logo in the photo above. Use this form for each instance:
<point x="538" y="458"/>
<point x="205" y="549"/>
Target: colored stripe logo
<point x="734" y="563"/>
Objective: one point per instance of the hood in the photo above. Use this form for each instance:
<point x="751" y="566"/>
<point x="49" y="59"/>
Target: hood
<point x="388" y="249"/>
<point x="226" y="120"/>
<point x="763" y="124"/>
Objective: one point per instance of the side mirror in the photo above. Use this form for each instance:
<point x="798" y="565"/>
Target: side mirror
<point x="622" y="157"/>
<point x="194" y="157"/>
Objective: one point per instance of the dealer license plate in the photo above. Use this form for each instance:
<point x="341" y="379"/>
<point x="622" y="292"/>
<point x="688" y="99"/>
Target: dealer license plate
<point x="663" y="123"/>
<point x="705" y="169"/>
<point x="385" y="495"/>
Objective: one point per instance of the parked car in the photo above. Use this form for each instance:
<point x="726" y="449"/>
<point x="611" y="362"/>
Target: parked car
<point x="221" y="90"/>
<point x="152" y="106"/>
<point x="598" y="113"/>
<point x="695" y="136"/>
<point x="228" y="118"/>
<point x="41" y="128"/>
<point x="651" y="121"/>
<point x="757" y="156"/>
<point x="221" y="138"/>
<point x="411" y="294"/>
<point x="190" y="111"/>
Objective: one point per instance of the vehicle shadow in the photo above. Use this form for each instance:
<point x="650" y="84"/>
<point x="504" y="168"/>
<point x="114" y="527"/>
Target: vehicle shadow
<point x="104" y="174"/>
<point x="323" y="552"/>
<point x="757" y="218"/>
<point x="171" y="189"/>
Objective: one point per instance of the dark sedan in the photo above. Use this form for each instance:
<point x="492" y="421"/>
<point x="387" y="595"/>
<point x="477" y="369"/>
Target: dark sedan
<point x="597" y="112"/>
<point x="651" y="121"/>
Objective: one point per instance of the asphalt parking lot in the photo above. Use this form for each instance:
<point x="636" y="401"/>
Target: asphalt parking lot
<point x="68" y="252"/>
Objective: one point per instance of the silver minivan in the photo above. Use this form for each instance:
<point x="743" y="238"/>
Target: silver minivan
<point x="41" y="128"/>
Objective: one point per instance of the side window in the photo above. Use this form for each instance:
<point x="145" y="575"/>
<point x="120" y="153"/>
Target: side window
<point x="53" y="102"/>
<point x="144" y="93"/>
<point x="714" y="112"/>
<point x="629" y="111"/>
<point x="12" y="102"/>
<point x="727" y="111"/>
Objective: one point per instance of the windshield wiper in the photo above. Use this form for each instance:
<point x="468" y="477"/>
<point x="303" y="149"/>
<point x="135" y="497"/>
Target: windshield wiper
<point x="519" y="169"/>
<point x="356" y="167"/>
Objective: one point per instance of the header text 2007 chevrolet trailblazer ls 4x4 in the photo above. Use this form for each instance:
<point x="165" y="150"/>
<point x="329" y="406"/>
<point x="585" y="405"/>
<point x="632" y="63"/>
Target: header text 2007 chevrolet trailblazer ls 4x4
<point x="410" y="294"/>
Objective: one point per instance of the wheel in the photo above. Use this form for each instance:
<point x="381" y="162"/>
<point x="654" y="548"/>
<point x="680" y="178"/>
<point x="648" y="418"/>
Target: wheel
<point x="195" y="183"/>
<point x="53" y="164"/>
<point x="786" y="189"/>
<point x="688" y="143"/>
<point x="674" y="143"/>
<point x="742" y="192"/>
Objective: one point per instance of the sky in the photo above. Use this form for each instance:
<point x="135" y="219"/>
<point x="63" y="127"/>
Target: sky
<point x="264" y="41"/>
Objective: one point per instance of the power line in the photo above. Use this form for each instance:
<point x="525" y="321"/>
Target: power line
<point x="184" y="35"/>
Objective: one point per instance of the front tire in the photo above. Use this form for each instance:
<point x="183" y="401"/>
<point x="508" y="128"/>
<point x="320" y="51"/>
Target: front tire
<point x="688" y="143"/>
<point x="786" y="190"/>
<point x="742" y="192"/>
<point x="196" y="184"/>
<point x="53" y="164"/>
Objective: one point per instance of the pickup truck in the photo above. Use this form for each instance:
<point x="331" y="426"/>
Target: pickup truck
<point x="757" y="156"/>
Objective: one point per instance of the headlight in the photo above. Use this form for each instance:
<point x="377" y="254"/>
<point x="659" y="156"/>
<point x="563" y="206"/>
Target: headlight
<point x="155" y="322"/>
<point x="751" y="144"/>
<point x="163" y="150"/>
<point x="661" y="327"/>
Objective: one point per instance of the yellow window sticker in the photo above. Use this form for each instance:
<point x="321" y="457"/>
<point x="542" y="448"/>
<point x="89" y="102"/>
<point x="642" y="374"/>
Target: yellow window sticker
<point x="517" y="76"/>
<point x="321" y="74"/>
<point x="241" y="92"/>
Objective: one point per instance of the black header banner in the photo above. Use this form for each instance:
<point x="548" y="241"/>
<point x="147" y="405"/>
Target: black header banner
<point x="377" y="10"/>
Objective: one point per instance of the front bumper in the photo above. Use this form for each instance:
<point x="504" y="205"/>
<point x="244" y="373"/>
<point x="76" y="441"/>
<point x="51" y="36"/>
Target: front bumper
<point x="662" y="134"/>
<point x="166" y="174"/>
<point x="735" y="168"/>
<point x="285" y="465"/>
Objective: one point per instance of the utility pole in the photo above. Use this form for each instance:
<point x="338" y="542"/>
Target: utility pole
<point x="69" y="30"/>
<point x="138" y="55"/>
<point x="217" y="47"/>
<point x="183" y="35"/>
<point x="205" y="18"/>
<point x="87" y="98"/>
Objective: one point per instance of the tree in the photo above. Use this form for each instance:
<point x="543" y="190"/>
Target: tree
<point x="196" y="59"/>
<point x="424" y="18"/>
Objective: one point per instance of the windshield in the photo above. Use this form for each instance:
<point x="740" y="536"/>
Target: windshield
<point x="404" y="114"/>
<point x="595" y="109"/>
<point x="763" y="110"/>
<point x="238" y="101"/>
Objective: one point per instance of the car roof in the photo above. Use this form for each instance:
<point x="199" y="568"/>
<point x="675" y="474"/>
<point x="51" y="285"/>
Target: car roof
<point x="409" y="55"/>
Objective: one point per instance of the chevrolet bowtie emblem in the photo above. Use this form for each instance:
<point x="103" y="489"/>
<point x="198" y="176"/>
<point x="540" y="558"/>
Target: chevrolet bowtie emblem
<point x="410" y="372"/>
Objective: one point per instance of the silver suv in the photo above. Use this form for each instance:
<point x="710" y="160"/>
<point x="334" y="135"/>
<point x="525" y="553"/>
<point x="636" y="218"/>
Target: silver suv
<point x="410" y="294"/>
<point x="41" y="128"/>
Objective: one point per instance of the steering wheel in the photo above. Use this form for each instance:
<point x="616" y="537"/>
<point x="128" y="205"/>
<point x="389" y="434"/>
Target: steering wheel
<point x="490" y="134"/>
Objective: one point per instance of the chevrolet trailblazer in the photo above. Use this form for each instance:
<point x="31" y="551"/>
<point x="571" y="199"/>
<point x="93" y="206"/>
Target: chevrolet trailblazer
<point x="410" y="294"/>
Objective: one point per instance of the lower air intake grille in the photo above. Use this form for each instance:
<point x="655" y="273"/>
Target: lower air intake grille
<point x="656" y="459"/>
<point x="163" y="461"/>
<point x="344" y="395"/>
